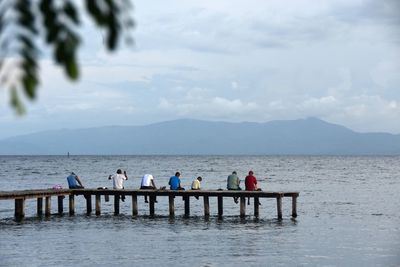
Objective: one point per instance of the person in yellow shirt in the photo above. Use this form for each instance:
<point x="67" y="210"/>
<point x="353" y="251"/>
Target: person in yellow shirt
<point x="196" y="184"/>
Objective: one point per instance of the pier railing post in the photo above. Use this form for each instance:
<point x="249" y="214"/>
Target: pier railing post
<point x="206" y="206"/>
<point x="39" y="206"/>
<point x="187" y="206"/>
<point x="134" y="205"/>
<point x="256" y="206"/>
<point x="171" y="201"/>
<point x="47" y="211"/>
<point x="220" y="207"/>
<point x="60" y="202"/>
<point x="294" y="206"/>
<point x="116" y="204"/>
<point x="88" y="204"/>
<point x="98" y="205"/>
<point x="71" y="205"/>
<point x="242" y="207"/>
<point x="279" y="206"/>
<point x="19" y="209"/>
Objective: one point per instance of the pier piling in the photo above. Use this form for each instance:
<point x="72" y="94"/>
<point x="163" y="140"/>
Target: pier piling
<point x="39" y="206"/>
<point x="134" y="205"/>
<point x="60" y="200"/>
<point x="98" y="205"/>
<point x="242" y="207"/>
<point x="19" y="209"/>
<point x="47" y="211"/>
<point x="71" y="205"/>
<point x="171" y="203"/>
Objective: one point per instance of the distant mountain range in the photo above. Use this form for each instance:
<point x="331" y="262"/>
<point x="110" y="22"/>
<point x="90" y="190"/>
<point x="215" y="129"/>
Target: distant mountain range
<point x="195" y="137"/>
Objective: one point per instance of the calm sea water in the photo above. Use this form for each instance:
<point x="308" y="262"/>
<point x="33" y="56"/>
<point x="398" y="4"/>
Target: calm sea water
<point x="348" y="210"/>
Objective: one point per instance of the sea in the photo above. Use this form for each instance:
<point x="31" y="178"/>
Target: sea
<point x="348" y="213"/>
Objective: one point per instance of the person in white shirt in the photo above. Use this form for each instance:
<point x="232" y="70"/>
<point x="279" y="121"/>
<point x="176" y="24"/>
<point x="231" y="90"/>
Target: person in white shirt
<point x="118" y="181"/>
<point x="148" y="183"/>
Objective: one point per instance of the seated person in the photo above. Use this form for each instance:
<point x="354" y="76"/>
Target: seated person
<point x="148" y="183"/>
<point x="175" y="182"/>
<point x="196" y="184"/>
<point x="73" y="181"/>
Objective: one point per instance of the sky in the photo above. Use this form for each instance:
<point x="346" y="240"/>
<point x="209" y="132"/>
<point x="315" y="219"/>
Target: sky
<point x="235" y="61"/>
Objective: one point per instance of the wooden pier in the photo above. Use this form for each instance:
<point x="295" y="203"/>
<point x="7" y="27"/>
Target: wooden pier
<point x="20" y="196"/>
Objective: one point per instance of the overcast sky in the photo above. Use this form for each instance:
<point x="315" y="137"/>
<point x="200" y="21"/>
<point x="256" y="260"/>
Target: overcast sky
<point x="252" y="60"/>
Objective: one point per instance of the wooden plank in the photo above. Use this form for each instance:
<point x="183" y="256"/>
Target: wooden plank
<point x="187" y="206"/>
<point x="98" y="205"/>
<point x="60" y="202"/>
<point x="71" y="205"/>
<point x="294" y="206"/>
<point x="39" y="206"/>
<point x="171" y="201"/>
<point x="134" y="205"/>
<point x="256" y="207"/>
<point x="242" y="207"/>
<point x="206" y="206"/>
<point x="220" y="206"/>
<point x="47" y="211"/>
<point x="19" y="209"/>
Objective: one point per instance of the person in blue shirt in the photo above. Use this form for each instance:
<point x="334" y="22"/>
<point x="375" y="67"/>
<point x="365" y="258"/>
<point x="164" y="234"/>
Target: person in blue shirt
<point x="175" y="182"/>
<point x="74" y="182"/>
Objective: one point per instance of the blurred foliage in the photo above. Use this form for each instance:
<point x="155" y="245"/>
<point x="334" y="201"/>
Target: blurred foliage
<point x="25" y="22"/>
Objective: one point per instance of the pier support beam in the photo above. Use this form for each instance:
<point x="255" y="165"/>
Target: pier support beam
<point x="206" y="206"/>
<point x="220" y="206"/>
<point x="98" y="205"/>
<point x="279" y="207"/>
<point x="47" y="207"/>
<point x="88" y="204"/>
<point x="242" y="207"/>
<point x="171" y="201"/>
<point x="71" y="205"/>
<point x="151" y="205"/>
<point x="134" y="205"/>
<point x="19" y="209"/>
<point x="39" y="206"/>
<point x="116" y="204"/>
<point x="187" y="206"/>
<point x="256" y="207"/>
<point x="60" y="202"/>
<point x="294" y="206"/>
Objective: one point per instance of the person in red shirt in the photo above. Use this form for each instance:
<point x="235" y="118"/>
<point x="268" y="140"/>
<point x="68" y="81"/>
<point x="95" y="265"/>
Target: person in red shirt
<point x="250" y="183"/>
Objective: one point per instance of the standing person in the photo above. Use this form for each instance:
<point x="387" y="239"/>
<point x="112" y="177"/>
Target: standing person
<point x="196" y="184"/>
<point x="118" y="181"/>
<point x="73" y="181"/>
<point x="251" y="184"/>
<point x="148" y="183"/>
<point x="175" y="182"/>
<point x="233" y="182"/>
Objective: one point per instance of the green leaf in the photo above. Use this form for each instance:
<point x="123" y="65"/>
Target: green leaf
<point x="16" y="102"/>
<point x="70" y="11"/>
<point x="29" y="82"/>
<point x="72" y="69"/>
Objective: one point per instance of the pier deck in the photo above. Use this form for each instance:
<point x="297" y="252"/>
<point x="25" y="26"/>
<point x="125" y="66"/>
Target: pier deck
<point x="20" y="196"/>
